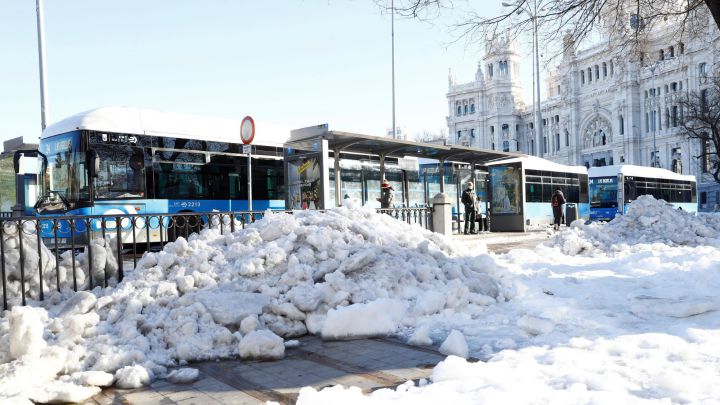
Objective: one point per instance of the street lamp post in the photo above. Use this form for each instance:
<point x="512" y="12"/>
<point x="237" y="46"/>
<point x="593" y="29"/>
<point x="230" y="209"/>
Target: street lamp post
<point x="41" y="57"/>
<point x="392" y="35"/>
<point x="539" y="140"/>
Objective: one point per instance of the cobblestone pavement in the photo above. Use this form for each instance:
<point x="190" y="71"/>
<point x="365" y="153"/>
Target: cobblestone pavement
<point x="367" y="363"/>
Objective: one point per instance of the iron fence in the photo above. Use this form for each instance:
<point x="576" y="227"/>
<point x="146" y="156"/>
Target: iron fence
<point x="42" y="254"/>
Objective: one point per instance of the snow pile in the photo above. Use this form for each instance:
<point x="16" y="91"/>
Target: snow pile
<point x="241" y="294"/>
<point x="104" y="263"/>
<point x="647" y="221"/>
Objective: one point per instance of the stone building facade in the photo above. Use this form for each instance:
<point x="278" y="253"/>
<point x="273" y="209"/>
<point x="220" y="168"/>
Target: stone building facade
<point x="601" y="107"/>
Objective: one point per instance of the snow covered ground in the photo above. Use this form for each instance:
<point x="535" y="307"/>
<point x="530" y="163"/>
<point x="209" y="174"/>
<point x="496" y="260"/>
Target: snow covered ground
<point x="617" y="313"/>
<point x="624" y="312"/>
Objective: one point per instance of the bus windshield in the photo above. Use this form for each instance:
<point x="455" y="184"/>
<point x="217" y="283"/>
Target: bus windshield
<point x="64" y="182"/>
<point x="603" y="192"/>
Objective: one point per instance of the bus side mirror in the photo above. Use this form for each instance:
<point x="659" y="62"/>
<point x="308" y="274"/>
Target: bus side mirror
<point x="93" y="163"/>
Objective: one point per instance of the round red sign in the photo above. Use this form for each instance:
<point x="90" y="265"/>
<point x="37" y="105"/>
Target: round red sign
<point x="247" y="130"/>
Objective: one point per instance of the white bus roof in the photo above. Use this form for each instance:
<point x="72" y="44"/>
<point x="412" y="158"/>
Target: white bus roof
<point x="640" y="171"/>
<point x="536" y="163"/>
<point x="139" y="121"/>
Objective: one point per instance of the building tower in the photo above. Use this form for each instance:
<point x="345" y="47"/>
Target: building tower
<point x="503" y="97"/>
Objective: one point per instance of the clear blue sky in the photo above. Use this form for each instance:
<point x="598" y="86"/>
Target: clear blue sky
<point x="292" y="62"/>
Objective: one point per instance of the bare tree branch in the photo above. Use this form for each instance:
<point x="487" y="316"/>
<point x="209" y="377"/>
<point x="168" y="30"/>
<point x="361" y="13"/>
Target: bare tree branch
<point x="701" y="120"/>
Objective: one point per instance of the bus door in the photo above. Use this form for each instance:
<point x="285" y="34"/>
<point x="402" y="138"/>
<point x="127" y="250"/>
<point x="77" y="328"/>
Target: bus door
<point x="620" y="194"/>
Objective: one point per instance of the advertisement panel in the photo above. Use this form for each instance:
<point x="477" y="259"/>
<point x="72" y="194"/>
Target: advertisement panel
<point x="7" y="184"/>
<point x="304" y="183"/>
<point x="505" y="190"/>
<point x="307" y="174"/>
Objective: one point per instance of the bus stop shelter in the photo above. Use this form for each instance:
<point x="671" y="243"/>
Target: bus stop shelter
<point x="309" y="149"/>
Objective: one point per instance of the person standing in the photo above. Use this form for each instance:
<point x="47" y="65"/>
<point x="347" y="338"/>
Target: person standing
<point x="468" y="199"/>
<point x="387" y="197"/>
<point x="557" y="201"/>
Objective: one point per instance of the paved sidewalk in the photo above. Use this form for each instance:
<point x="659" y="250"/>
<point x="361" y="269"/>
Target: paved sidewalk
<point x="503" y="242"/>
<point x="369" y="364"/>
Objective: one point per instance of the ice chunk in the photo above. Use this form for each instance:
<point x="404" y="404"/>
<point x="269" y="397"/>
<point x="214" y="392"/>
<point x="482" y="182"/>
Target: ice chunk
<point x="80" y="303"/>
<point x="63" y="392"/>
<point x="92" y="378"/>
<point x="132" y="377"/>
<point x="377" y="318"/>
<point x="421" y="336"/>
<point x="262" y="344"/>
<point x="535" y="326"/>
<point x="248" y="324"/>
<point x="430" y="302"/>
<point x="183" y="375"/>
<point x="26" y="331"/>
<point x="455" y="345"/>
<point x="231" y="307"/>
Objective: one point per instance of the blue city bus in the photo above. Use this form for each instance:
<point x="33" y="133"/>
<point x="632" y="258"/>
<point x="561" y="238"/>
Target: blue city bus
<point x="121" y="160"/>
<point x="521" y="189"/>
<point x="613" y="188"/>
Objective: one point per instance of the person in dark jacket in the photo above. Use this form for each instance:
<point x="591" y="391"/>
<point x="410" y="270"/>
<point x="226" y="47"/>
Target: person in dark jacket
<point x="387" y="197"/>
<point x="469" y="199"/>
<point x="557" y="201"/>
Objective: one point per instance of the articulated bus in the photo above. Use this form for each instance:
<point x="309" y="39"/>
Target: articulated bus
<point x="120" y="160"/>
<point x="520" y="190"/>
<point x="613" y="188"/>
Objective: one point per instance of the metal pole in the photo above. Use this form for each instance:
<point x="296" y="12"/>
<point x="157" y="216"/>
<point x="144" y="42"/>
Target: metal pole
<point x="538" y="114"/>
<point x="41" y="55"/>
<point x="249" y="158"/>
<point x="392" y="35"/>
<point x="533" y="152"/>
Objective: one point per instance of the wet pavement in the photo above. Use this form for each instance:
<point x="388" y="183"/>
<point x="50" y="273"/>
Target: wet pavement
<point x="370" y="364"/>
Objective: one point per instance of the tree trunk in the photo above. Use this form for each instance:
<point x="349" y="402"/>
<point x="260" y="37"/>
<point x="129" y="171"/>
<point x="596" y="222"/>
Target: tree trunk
<point x="714" y="6"/>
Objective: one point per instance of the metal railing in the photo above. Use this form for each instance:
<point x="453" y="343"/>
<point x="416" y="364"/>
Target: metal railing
<point x="4" y="214"/>
<point x="42" y="254"/>
<point x="418" y="215"/>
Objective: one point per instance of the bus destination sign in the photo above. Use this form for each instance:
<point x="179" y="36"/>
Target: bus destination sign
<point x="119" y="138"/>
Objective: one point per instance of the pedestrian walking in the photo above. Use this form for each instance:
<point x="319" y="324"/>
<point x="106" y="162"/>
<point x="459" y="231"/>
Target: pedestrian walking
<point x="557" y="201"/>
<point x="387" y="196"/>
<point x="468" y="199"/>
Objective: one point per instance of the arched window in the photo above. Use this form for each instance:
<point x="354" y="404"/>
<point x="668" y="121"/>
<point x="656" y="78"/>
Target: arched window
<point x="567" y="138"/>
<point x="532" y="147"/>
<point x="545" y="144"/>
<point x="472" y="106"/>
<point x="612" y="66"/>
<point x="597" y="72"/>
<point x="672" y="51"/>
<point x="604" y="65"/>
<point x="557" y="142"/>
<point x="459" y="134"/>
<point x="681" y="48"/>
<point x="589" y="75"/>
<point x="662" y="54"/>
<point x="465" y="109"/>
<point x="459" y="108"/>
<point x="621" y="122"/>
<point x="582" y="77"/>
<point x="472" y="132"/>
<point x="506" y="146"/>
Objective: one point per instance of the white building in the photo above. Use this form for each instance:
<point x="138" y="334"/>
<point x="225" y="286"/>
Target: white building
<point x="601" y="106"/>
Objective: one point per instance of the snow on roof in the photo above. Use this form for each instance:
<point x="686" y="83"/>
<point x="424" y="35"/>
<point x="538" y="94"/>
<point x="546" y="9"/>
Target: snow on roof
<point x="131" y="120"/>
<point x="641" y="171"/>
<point x="536" y="163"/>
